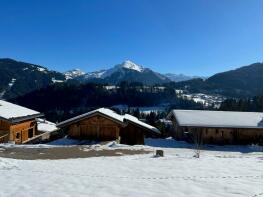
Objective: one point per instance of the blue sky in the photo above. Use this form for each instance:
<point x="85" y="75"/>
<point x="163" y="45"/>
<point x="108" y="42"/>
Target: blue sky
<point x="194" y="37"/>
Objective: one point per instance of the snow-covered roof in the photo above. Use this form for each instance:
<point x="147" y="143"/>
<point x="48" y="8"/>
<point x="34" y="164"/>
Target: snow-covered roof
<point x="13" y="112"/>
<point x="103" y="111"/>
<point x="110" y="114"/>
<point x="226" y="119"/>
<point x="135" y="120"/>
<point x="46" y="126"/>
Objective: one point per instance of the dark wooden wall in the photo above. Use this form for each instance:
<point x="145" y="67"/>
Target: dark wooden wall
<point x="221" y="135"/>
<point x="96" y="127"/>
<point x="102" y="128"/>
<point x="132" y="134"/>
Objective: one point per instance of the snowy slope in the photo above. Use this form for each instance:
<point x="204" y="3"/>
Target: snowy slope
<point x="126" y="71"/>
<point x="19" y="78"/>
<point x="227" y="173"/>
<point x="129" y="65"/>
<point x="95" y="74"/>
<point x="122" y="71"/>
<point x="71" y="74"/>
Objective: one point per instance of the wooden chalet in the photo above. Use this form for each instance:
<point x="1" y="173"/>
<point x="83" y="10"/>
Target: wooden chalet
<point x="104" y="124"/>
<point x="217" y="127"/>
<point x="17" y="124"/>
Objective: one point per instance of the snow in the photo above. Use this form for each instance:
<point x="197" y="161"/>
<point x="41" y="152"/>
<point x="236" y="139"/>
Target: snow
<point x="144" y="110"/>
<point x="130" y="65"/>
<point x="165" y="122"/>
<point x="12" y="82"/>
<point x="73" y="74"/>
<point x="110" y="87"/>
<point x="2" y="94"/>
<point x="148" y="110"/>
<point x="138" y="122"/>
<point x="206" y="100"/>
<point x="10" y="110"/>
<point x="199" y="100"/>
<point x="102" y="74"/>
<point x="41" y="69"/>
<point x="95" y="74"/>
<point x="217" y="172"/>
<point x="226" y="119"/>
<point x="104" y="111"/>
<point x="57" y="81"/>
<point x="46" y="126"/>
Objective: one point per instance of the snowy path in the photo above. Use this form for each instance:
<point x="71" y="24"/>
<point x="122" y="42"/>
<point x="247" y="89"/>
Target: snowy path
<point x="216" y="173"/>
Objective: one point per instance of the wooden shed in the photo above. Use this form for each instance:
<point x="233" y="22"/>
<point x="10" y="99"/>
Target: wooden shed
<point x="217" y="127"/>
<point x="17" y="124"/>
<point x="104" y="124"/>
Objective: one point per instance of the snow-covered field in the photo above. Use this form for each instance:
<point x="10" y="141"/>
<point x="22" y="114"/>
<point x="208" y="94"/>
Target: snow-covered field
<point x="221" y="171"/>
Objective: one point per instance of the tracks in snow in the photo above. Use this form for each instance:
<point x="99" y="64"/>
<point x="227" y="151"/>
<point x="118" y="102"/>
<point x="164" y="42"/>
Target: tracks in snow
<point x="143" y="178"/>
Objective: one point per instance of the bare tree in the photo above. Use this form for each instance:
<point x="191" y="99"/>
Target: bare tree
<point x="198" y="141"/>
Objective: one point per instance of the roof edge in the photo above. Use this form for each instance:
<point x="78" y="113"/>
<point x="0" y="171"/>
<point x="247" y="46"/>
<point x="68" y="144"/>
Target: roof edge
<point x="23" y="118"/>
<point x="152" y="130"/>
<point x="83" y="116"/>
<point x="219" y="126"/>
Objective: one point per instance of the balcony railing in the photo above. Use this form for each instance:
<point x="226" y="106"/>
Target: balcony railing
<point x="4" y="138"/>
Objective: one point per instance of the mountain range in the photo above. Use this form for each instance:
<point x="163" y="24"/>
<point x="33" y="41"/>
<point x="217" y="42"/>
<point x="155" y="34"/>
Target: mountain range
<point x="19" y="78"/>
<point x="126" y="71"/>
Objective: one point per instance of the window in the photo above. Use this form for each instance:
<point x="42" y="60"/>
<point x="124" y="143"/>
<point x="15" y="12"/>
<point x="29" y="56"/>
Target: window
<point x="18" y="135"/>
<point x="30" y="133"/>
<point x="32" y="124"/>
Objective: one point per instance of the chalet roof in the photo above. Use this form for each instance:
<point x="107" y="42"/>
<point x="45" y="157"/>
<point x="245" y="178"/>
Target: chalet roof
<point x="15" y="113"/>
<point x="112" y="115"/>
<point x="136" y="121"/>
<point x="222" y="119"/>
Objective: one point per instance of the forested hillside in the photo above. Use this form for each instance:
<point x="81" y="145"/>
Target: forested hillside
<point x="19" y="78"/>
<point x="61" y="101"/>
<point x="254" y="104"/>
<point x="243" y="82"/>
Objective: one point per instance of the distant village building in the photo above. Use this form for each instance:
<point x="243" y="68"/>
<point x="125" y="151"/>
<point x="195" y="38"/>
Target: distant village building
<point x="218" y="127"/>
<point x="104" y="124"/>
<point x="17" y="124"/>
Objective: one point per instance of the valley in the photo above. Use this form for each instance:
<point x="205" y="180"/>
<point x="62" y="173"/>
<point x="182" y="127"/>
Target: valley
<point x="125" y="84"/>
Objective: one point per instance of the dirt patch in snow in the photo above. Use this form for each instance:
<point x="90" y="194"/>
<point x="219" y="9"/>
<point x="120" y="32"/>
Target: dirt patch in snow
<point x="64" y="152"/>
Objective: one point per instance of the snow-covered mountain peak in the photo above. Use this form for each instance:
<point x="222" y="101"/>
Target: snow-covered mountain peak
<point x="125" y="71"/>
<point x="95" y="74"/>
<point x="130" y="65"/>
<point x="73" y="73"/>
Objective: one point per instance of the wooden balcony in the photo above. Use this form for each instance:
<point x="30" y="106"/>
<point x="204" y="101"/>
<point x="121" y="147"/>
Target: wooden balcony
<point x="4" y="138"/>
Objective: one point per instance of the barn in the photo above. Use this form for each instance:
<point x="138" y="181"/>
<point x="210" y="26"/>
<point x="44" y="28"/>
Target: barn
<point x="217" y="127"/>
<point x="104" y="124"/>
<point x="17" y="124"/>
